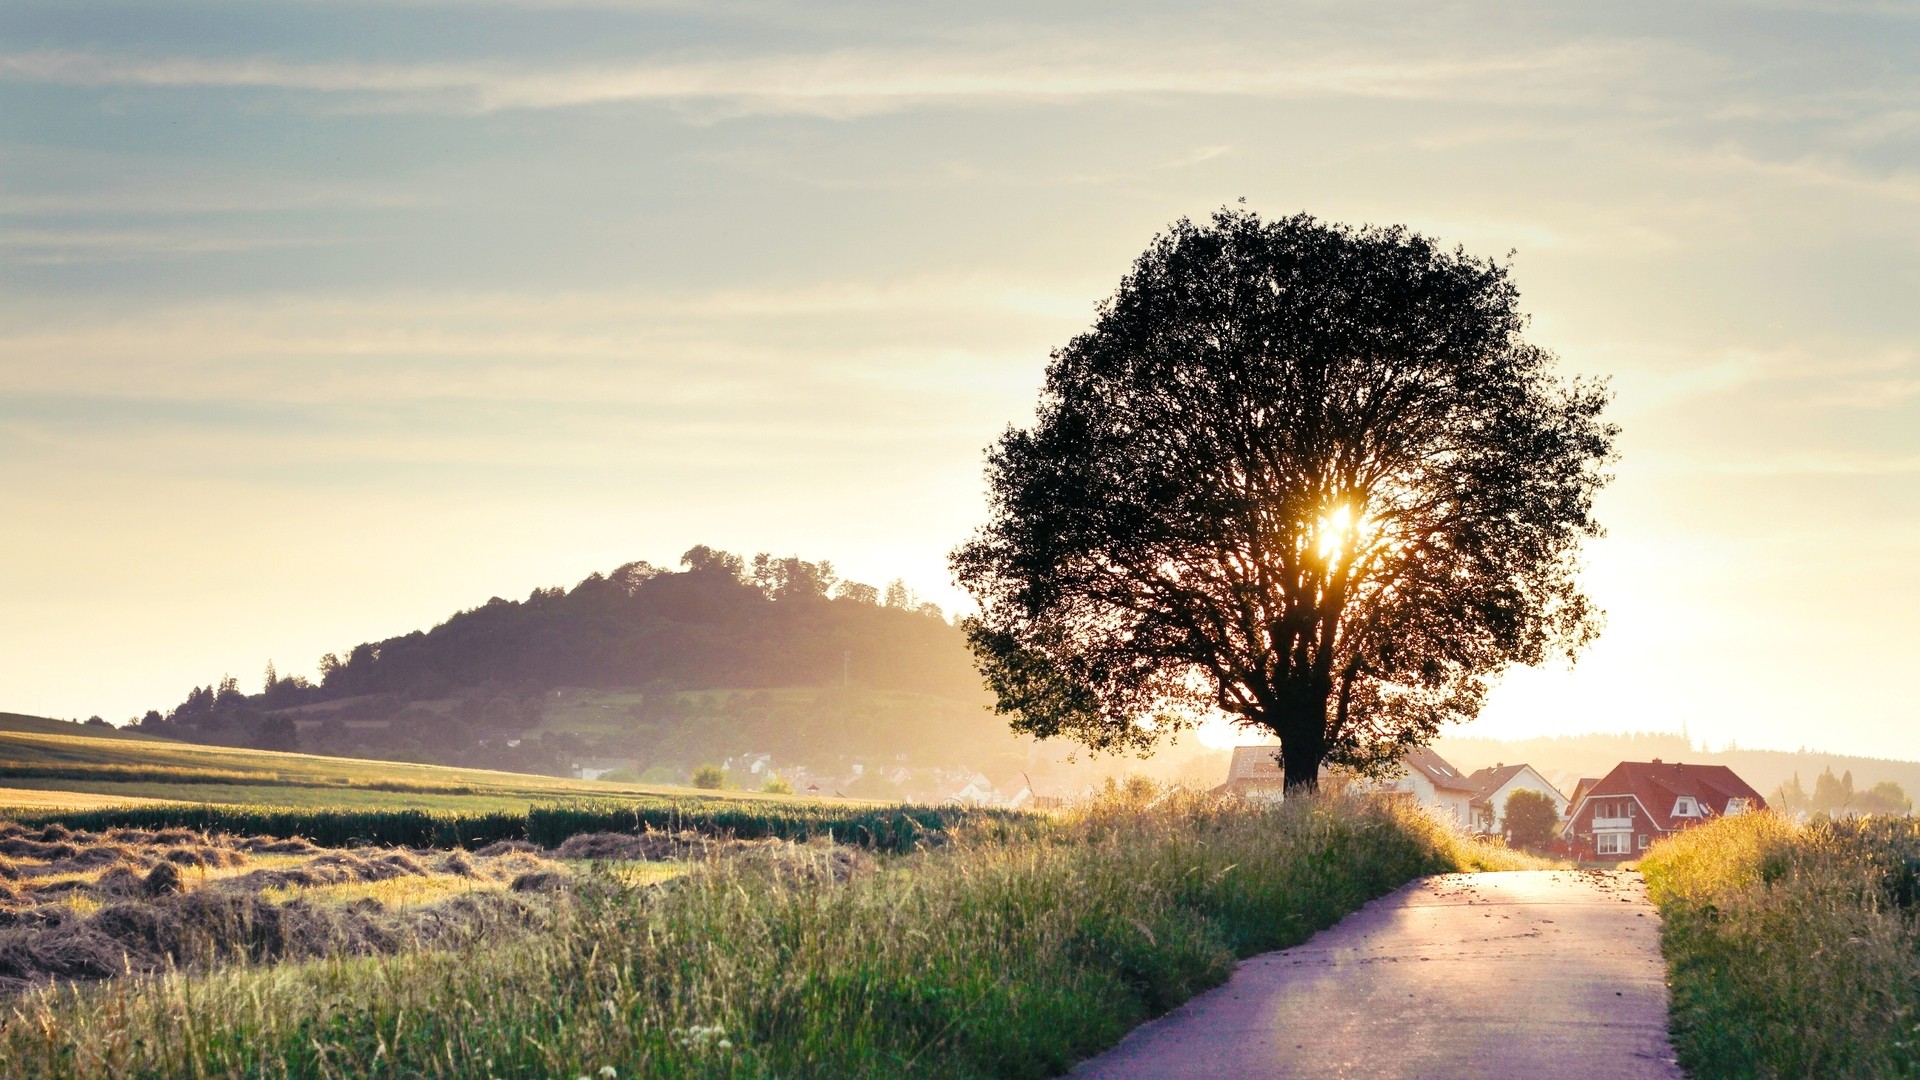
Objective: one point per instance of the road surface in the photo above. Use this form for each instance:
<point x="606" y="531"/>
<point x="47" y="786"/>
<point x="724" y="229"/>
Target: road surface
<point x="1547" y="973"/>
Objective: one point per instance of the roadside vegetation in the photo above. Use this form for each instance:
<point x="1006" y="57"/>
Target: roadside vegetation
<point x="999" y="953"/>
<point x="1794" y="950"/>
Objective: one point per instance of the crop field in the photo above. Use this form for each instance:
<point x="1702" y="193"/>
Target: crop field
<point x="1000" y="951"/>
<point x="1794" y="949"/>
<point x="45" y="755"/>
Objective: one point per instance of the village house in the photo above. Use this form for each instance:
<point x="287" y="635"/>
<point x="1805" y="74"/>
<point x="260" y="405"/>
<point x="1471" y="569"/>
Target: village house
<point x="1623" y="812"/>
<point x="1254" y="773"/>
<point x="1433" y="783"/>
<point x="1492" y="786"/>
<point x="1425" y="778"/>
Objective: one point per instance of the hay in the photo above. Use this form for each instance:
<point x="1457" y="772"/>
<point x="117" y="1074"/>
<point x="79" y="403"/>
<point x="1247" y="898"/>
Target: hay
<point x="262" y="845"/>
<point x="542" y="881"/>
<point x="22" y="848"/>
<point x="164" y="879"/>
<point x="199" y="929"/>
<point x="121" y="881"/>
<point x="607" y="846"/>
<point x="507" y="847"/>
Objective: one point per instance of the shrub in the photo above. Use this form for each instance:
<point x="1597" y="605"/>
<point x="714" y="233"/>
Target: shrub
<point x="775" y="785"/>
<point x="710" y="777"/>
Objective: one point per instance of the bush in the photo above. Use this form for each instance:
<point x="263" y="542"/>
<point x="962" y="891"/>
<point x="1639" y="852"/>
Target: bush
<point x="776" y="786"/>
<point x="710" y="777"/>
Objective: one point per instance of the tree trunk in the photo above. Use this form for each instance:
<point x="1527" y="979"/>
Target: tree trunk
<point x="1303" y="742"/>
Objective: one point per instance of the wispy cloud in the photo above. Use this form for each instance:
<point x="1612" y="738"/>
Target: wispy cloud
<point x="852" y="82"/>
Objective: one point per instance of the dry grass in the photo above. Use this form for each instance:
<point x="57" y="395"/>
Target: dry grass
<point x="13" y="798"/>
<point x="1002" y="953"/>
<point x="1794" y="949"/>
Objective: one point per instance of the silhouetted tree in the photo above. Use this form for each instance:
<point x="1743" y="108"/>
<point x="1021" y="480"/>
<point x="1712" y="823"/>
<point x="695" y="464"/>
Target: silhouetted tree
<point x="1307" y="475"/>
<point x="857" y="592"/>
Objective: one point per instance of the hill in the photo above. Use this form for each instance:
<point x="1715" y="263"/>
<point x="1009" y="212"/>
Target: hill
<point x="774" y="664"/>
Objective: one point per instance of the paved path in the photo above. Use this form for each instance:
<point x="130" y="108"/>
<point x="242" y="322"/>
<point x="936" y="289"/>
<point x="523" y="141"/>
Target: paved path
<point x="1547" y="973"/>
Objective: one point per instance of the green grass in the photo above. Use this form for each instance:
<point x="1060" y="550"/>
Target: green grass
<point x="53" y="756"/>
<point x="884" y="828"/>
<point x="997" y="955"/>
<point x="1793" y="950"/>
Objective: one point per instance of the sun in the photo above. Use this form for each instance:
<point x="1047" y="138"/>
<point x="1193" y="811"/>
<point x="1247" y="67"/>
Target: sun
<point x="1335" y="533"/>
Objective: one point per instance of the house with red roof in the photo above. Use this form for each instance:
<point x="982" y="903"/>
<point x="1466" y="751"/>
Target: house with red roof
<point x="1620" y="814"/>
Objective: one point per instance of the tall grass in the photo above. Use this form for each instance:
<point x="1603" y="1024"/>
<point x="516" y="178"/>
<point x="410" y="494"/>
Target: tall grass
<point x="883" y="828"/>
<point x="997" y="955"/>
<point x="1794" y="949"/>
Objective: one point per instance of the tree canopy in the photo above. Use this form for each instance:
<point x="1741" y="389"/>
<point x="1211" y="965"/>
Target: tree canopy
<point x="1307" y="475"/>
<point x="1529" y="819"/>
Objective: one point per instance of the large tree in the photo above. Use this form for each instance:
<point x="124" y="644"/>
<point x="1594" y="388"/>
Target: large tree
<point x="1307" y="475"/>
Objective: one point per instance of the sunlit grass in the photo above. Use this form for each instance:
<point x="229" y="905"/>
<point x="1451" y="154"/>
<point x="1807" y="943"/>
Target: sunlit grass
<point x="1003" y="953"/>
<point x="1794" y="949"/>
<point x="408" y="891"/>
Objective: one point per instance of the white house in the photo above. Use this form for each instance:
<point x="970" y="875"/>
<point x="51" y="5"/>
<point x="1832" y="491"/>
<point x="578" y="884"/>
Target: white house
<point x="1254" y="773"/>
<point x="1429" y="780"/>
<point x="977" y="791"/>
<point x="1492" y="786"/>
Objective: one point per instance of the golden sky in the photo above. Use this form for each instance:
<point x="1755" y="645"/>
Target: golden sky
<point x="321" y="321"/>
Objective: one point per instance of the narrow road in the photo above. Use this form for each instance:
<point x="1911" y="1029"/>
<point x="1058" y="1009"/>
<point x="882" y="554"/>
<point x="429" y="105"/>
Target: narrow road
<point x="1544" y="973"/>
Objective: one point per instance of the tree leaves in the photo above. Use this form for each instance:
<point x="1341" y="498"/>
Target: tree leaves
<point x="1302" y="473"/>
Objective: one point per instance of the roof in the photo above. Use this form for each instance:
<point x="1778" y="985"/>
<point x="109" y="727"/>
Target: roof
<point x="1658" y="785"/>
<point x="1488" y="781"/>
<point x="1255" y="763"/>
<point x="1435" y="769"/>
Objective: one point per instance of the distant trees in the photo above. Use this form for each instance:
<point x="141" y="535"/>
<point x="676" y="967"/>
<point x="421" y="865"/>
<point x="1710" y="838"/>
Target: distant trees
<point x="1308" y="476"/>
<point x="1885" y="797"/>
<point x="1790" y="797"/>
<point x="710" y="777"/>
<point x="1530" y="820"/>
<point x="1835" y="796"/>
<point x="858" y="593"/>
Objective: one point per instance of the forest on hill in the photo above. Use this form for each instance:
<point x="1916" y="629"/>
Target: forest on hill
<point x="662" y="668"/>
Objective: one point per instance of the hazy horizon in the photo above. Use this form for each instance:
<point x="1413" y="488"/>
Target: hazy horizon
<point x="321" y="322"/>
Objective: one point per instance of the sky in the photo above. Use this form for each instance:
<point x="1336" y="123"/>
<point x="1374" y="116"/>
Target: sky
<point x="322" y="321"/>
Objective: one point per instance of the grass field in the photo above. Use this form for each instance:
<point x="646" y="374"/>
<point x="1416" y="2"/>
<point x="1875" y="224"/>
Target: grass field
<point x="1794" y="950"/>
<point x="994" y="955"/>
<point x="53" y="756"/>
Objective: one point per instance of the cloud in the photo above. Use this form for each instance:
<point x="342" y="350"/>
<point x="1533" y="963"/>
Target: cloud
<point x="857" y="82"/>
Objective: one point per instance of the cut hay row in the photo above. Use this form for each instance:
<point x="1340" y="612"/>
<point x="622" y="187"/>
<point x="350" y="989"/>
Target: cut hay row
<point x="880" y="828"/>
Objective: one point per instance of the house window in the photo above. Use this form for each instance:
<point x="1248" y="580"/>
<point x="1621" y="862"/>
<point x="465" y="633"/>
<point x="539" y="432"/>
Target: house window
<point x="1685" y="806"/>
<point x="1643" y="841"/>
<point x="1613" y="843"/>
<point x="1737" y="806"/>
